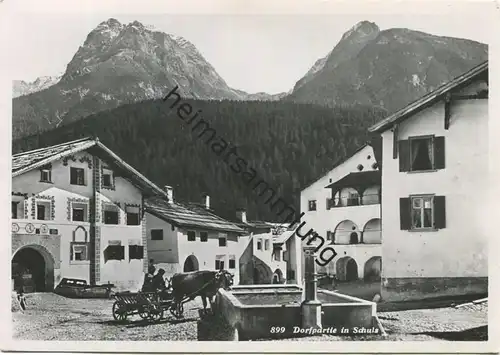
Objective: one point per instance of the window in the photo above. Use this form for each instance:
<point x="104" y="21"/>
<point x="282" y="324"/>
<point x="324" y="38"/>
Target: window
<point x="77" y="176"/>
<point x="114" y="251"/>
<point x="14" y="205"/>
<point x="222" y="240"/>
<point x="312" y="205"/>
<point x="107" y="178"/>
<point x="422" y="212"/>
<point x="422" y="154"/>
<point x="132" y="215"/>
<point x="266" y="244"/>
<point x="329" y="236"/>
<point x="79" y="212"/>
<point x="45" y="175"/>
<point x="42" y="211"/>
<point x="156" y="234"/>
<point x="277" y="255"/>
<point x="329" y="203"/>
<point x="259" y="244"/>
<point x="219" y="262"/>
<point x="79" y="251"/>
<point x="203" y="236"/>
<point x="232" y="262"/>
<point x="135" y="252"/>
<point x="111" y="214"/>
<point x="191" y="236"/>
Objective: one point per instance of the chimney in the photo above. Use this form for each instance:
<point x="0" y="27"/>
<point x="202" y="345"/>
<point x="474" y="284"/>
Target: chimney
<point x="206" y="201"/>
<point x="241" y="215"/>
<point x="170" y="193"/>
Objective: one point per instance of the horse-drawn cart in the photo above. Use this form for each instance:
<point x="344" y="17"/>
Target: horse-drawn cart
<point x="148" y="305"/>
<point x="186" y="287"/>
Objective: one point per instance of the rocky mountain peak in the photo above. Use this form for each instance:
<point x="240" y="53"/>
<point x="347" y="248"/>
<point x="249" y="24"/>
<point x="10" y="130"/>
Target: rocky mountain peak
<point x="362" y="28"/>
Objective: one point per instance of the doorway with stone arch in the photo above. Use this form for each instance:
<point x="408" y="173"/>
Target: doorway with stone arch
<point x="191" y="264"/>
<point x="347" y="269"/>
<point x="33" y="269"/>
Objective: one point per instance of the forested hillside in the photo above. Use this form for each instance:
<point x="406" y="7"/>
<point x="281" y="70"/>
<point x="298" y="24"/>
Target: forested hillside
<point x="288" y="144"/>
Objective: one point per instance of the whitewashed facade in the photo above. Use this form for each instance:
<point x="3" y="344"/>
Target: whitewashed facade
<point x="77" y="214"/>
<point x="343" y="207"/>
<point x="435" y="184"/>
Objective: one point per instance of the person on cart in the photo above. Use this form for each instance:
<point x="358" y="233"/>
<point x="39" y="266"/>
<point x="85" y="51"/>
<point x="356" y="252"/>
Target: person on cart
<point x="158" y="283"/>
<point x="147" y="286"/>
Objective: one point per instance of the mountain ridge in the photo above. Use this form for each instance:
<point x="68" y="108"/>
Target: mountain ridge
<point x="143" y="63"/>
<point x="386" y="68"/>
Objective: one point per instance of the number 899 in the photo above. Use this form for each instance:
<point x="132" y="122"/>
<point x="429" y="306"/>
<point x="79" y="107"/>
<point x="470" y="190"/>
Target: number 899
<point x="277" y="329"/>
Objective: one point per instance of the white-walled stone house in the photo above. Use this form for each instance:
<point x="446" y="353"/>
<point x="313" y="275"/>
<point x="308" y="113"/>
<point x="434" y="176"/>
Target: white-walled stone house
<point x="343" y="207"/>
<point x="187" y="237"/>
<point x="435" y="188"/>
<point x="77" y="212"/>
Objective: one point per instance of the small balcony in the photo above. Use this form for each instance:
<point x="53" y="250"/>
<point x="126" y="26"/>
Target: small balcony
<point x="356" y="189"/>
<point x="353" y="200"/>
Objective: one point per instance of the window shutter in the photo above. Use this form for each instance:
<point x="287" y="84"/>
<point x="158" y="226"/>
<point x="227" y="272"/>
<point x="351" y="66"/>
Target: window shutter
<point x="439" y="156"/>
<point x="404" y="155"/>
<point x="404" y="213"/>
<point x="439" y="212"/>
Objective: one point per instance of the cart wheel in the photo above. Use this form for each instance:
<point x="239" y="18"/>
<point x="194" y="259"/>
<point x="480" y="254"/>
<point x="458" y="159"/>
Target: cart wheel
<point x="156" y="314"/>
<point x="177" y="310"/>
<point x="119" y="313"/>
<point x="144" y="313"/>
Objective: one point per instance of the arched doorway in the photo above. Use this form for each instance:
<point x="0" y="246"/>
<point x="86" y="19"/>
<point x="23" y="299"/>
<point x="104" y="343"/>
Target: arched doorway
<point x="191" y="264"/>
<point x="346" y="269"/>
<point x="277" y="276"/>
<point x="373" y="269"/>
<point x="353" y="238"/>
<point x="33" y="269"/>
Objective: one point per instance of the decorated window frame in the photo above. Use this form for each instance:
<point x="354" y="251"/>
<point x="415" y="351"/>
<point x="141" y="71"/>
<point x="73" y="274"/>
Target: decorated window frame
<point x="83" y="159"/>
<point x="112" y="175"/>
<point x="132" y="207"/>
<point x="21" y="198"/>
<point x="108" y="206"/>
<point x="80" y="248"/>
<point x="46" y="200"/>
<point x="80" y="201"/>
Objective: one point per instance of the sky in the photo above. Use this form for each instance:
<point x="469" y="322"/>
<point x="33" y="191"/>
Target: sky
<point x="252" y="52"/>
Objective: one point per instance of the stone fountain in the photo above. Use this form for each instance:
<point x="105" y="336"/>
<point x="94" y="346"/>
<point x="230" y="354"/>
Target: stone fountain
<point x="311" y="306"/>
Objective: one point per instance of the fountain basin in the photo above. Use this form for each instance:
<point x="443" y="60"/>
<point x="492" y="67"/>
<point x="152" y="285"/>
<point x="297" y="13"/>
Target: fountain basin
<point x="274" y="311"/>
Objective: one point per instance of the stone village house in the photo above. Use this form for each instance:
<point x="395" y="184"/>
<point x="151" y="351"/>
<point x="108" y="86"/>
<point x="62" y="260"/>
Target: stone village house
<point x="187" y="237"/>
<point x="435" y="187"/>
<point x="343" y="206"/>
<point x="271" y="255"/>
<point x="78" y="212"/>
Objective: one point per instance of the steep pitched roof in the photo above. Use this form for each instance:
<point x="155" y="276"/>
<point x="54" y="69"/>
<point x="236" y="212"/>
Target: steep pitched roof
<point x="188" y="216"/>
<point x="430" y="98"/>
<point x="33" y="159"/>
